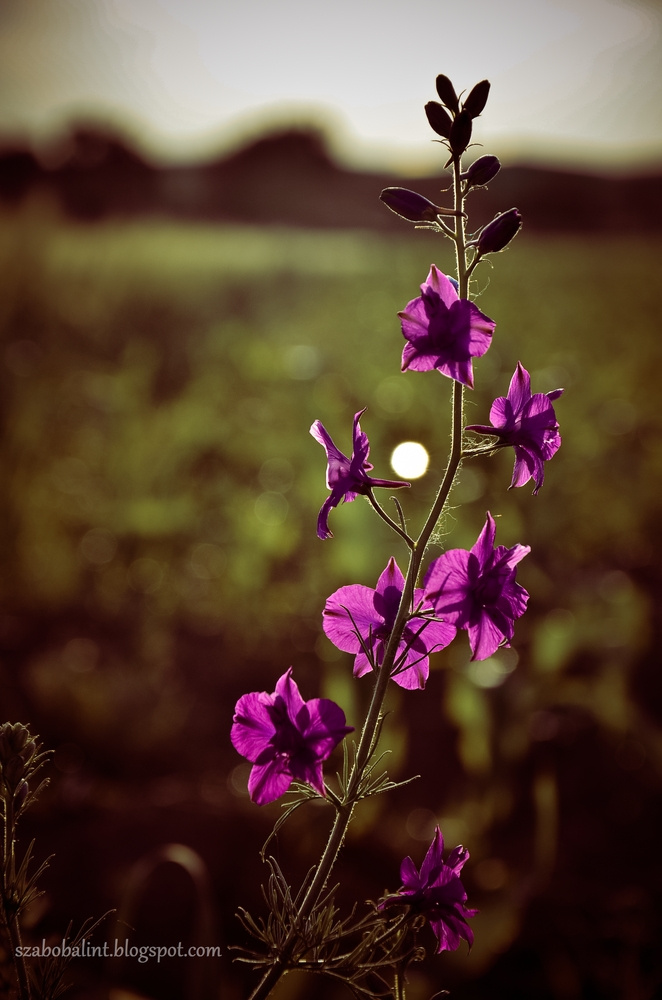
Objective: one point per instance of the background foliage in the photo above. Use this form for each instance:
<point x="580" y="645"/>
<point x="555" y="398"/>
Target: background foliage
<point x="160" y="558"/>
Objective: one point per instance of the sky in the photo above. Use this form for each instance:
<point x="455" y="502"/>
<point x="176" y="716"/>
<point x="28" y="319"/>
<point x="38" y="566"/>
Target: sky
<point x="574" y="82"/>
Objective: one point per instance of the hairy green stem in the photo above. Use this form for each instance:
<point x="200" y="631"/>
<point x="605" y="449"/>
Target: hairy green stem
<point x="367" y="741"/>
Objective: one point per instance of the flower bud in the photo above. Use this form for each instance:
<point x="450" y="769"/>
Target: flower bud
<point x="460" y="134"/>
<point x="498" y="233"/>
<point x="439" y="119"/>
<point x="477" y="99"/>
<point x="482" y="171"/>
<point x="409" y="205"/>
<point x="15" y="740"/>
<point x="447" y="94"/>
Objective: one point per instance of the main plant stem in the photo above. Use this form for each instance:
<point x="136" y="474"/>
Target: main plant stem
<point x="9" y="914"/>
<point x="368" y="737"/>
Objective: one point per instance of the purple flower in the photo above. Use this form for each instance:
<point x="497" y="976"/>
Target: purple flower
<point x="444" y="331"/>
<point x="529" y="424"/>
<point x="346" y="477"/>
<point x="437" y="892"/>
<point x="285" y="738"/>
<point x="477" y="591"/>
<point x="360" y="620"/>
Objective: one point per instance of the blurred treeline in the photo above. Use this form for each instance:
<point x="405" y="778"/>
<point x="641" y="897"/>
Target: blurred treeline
<point x="160" y="559"/>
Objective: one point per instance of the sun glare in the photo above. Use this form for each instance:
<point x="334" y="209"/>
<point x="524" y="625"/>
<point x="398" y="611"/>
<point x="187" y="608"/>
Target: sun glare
<point x="410" y="460"/>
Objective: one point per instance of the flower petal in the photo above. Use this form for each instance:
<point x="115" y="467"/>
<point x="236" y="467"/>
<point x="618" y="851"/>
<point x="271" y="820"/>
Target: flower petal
<point x="267" y="782"/>
<point x="252" y="727"/>
<point x="348" y="609"/>
<point x="519" y="391"/>
<point x="388" y="592"/>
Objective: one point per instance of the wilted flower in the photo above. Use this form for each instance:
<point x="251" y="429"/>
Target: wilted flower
<point x="444" y="331"/>
<point x="498" y="233"/>
<point x="529" y="424"/>
<point x="476" y="590"/>
<point x="285" y="738"/>
<point x="437" y="892"/>
<point x="360" y="620"/>
<point x="347" y="478"/>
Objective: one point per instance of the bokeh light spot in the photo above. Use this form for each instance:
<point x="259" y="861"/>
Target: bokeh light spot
<point x="410" y="460"/>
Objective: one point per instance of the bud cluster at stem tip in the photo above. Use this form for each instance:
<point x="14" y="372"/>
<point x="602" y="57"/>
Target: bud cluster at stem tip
<point x="454" y="121"/>
<point x="20" y="759"/>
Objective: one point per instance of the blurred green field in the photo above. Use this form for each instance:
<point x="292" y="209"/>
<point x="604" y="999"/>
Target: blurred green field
<point x="160" y="500"/>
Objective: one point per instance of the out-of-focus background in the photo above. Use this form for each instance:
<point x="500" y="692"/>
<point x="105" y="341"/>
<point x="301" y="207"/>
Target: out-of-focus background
<point x="195" y="266"/>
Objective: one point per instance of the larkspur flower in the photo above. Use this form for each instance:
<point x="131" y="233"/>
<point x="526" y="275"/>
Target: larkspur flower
<point x="528" y="423"/>
<point x="347" y="478"/>
<point x="285" y="738"/>
<point x="444" y="331"/>
<point x="476" y="590"/>
<point x="371" y="614"/>
<point x="437" y="892"/>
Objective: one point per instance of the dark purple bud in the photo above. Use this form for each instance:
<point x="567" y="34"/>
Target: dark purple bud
<point x="439" y="119"/>
<point x="482" y="171"/>
<point x="477" y="99"/>
<point x="498" y="233"/>
<point x="409" y="205"/>
<point x="460" y="135"/>
<point x="446" y="92"/>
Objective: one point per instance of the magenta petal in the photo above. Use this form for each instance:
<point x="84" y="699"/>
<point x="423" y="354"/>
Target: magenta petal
<point x="362" y="664"/>
<point x="441" y="285"/>
<point x="434" y="858"/>
<point x="361" y="444"/>
<point x="289" y="692"/>
<point x="252" y="728"/>
<point x="322" y="725"/>
<point x="388" y="592"/>
<point x="519" y="391"/>
<point x="413" y="677"/>
<point x="267" y="782"/>
<point x="501" y="414"/>
<point x="337" y="464"/>
<point x="485" y="543"/>
<point x="448" y="934"/>
<point x="352" y="602"/>
<point x="323" y="530"/>
<point x="484" y="638"/>
<point x="526" y="466"/>
<point x="448" y="586"/>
